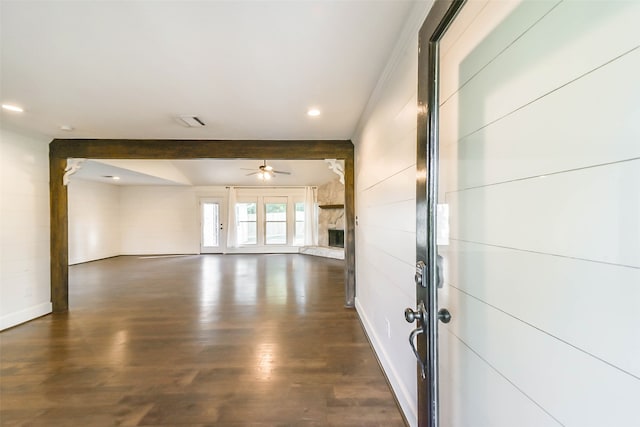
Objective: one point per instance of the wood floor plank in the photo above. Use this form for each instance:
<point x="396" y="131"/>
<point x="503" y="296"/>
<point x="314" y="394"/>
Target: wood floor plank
<point x="211" y="340"/>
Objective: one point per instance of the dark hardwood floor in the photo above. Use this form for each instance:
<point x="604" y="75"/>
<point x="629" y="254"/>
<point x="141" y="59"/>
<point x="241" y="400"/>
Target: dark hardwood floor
<point x="235" y="340"/>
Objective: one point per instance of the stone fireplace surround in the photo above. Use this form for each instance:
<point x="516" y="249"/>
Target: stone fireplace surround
<point x="330" y="217"/>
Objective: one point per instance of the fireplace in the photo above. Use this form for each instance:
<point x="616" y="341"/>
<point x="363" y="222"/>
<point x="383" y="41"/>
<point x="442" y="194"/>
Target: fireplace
<point x="336" y="238"/>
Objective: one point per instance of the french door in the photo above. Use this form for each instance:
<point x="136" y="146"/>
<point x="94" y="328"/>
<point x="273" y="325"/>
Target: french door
<point x="212" y="225"/>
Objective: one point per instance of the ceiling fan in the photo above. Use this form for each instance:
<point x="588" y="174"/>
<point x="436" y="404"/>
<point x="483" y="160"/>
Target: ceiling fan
<point x="265" y="172"/>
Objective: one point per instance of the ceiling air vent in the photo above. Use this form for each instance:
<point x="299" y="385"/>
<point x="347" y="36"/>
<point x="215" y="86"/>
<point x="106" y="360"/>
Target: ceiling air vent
<point x="190" y="121"/>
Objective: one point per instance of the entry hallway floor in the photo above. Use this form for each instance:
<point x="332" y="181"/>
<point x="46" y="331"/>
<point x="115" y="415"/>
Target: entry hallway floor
<point x="211" y="340"/>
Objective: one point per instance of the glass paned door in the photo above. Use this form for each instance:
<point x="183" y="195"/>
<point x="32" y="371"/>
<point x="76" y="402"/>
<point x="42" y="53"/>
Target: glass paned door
<point x="212" y="226"/>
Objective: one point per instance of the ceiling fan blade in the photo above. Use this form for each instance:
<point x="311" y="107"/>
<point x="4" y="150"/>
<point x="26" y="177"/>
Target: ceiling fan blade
<point x="254" y="173"/>
<point x="248" y="169"/>
<point x="282" y="172"/>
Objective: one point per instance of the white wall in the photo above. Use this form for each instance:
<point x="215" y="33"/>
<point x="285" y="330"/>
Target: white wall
<point x="166" y="220"/>
<point x="94" y="220"/>
<point x="541" y="147"/>
<point x="159" y="220"/>
<point x="385" y="146"/>
<point x="24" y="227"/>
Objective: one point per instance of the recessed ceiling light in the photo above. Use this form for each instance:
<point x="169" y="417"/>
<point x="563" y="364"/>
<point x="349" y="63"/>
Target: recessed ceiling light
<point x="115" y="178"/>
<point x="314" y="112"/>
<point x="66" y="128"/>
<point x="13" y="108"/>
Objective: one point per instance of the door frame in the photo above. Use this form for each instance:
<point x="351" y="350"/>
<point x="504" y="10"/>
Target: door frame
<point x="440" y="17"/>
<point x="62" y="149"/>
<point x="222" y="220"/>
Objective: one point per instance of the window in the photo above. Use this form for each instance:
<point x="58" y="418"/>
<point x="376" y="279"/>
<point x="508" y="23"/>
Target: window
<point x="298" y="236"/>
<point x="275" y="210"/>
<point x="247" y="231"/>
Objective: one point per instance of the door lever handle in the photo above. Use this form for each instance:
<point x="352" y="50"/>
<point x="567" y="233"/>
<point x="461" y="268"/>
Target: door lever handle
<point x="412" y="343"/>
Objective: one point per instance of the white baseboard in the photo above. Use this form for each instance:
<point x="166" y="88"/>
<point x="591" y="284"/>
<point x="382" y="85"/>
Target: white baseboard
<point x="18" y="317"/>
<point x="406" y="400"/>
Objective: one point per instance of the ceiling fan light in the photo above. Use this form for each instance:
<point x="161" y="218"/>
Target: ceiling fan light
<point x="267" y="176"/>
<point x="268" y="168"/>
<point x="260" y="175"/>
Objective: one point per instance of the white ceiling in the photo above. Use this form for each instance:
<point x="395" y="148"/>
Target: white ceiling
<point x="248" y="69"/>
<point x="203" y="172"/>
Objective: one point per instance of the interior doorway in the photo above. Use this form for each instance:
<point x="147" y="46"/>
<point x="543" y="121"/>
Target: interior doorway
<point x="60" y="150"/>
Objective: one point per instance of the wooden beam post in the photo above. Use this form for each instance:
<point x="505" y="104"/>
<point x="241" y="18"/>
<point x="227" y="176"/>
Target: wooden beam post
<point x="350" y="232"/>
<point x="59" y="235"/>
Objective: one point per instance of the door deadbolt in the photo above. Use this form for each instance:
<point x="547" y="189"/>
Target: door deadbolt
<point x="419" y="277"/>
<point x="444" y="315"/>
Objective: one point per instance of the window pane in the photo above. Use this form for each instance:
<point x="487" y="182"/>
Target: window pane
<point x="247" y="231"/>
<point x="275" y="223"/>
<point x="276" y="211"/>
<point x="246" y="211"/>
<point x="276" y="233"/>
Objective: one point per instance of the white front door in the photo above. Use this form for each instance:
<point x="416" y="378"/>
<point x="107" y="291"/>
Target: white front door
<point x="212" y="225"/>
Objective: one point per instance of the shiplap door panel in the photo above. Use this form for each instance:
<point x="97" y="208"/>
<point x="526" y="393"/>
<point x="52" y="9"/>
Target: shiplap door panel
<point x="535" y="288"/>
<point x="584" y="117"/>
<point x="574" y="38"/>
<point x="574" y="387"/>
<point x="484" y="398"/>
<point x="481" y="33"/>
<point x="540" y="167"/>
<point x="591" y="214"/>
